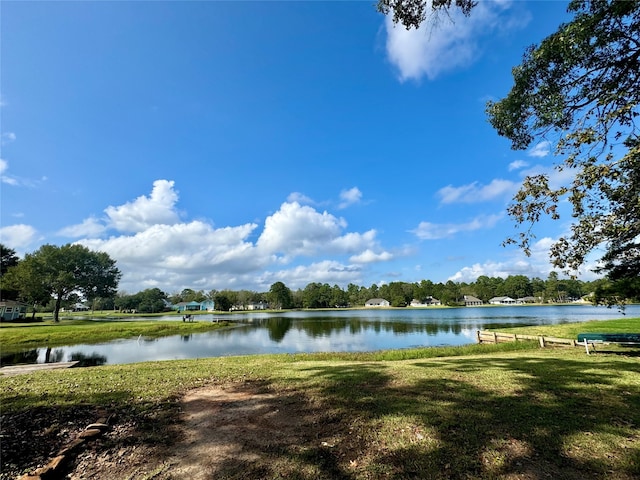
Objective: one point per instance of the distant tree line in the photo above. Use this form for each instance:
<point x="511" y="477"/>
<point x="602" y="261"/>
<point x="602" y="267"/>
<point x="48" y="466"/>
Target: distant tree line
<point x="399" y="294"/>
<point x="53" y="278"/>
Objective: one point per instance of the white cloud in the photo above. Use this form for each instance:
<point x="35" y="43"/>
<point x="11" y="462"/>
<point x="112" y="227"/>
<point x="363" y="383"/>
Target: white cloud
<point x="300" y="198"/>
<point x="496" y="269"/>
<point x="327" y="271"/>
<point x="447" y="43"/>
<point x="475" y="192"/>
<point x="16" y="181"/>
<point x="90" y="227"/>
<point x="172" y="255"/>
<point x="517" y="165"/>
<point x="4" y="166"/>
<point x="556" y="177"/>
<point x="7" y="137"/>
<point x="18" y="237"/>
<point x="538" y="264"/>
<point x="349" y="197"/>
<point x="435" y="231"/>
<point x="182" y="255"/>
<point x="540" y="150"/>
<point x="369" y="256"/>
<point x="144" y="212"/>
<point x="299" y="230"/>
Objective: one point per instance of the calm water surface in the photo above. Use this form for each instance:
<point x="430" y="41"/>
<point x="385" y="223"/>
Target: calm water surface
<point x="335" y="331"/>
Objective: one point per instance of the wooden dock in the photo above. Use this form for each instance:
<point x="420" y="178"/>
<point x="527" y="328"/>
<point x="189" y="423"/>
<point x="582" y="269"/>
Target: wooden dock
<point x="35" y="367"/>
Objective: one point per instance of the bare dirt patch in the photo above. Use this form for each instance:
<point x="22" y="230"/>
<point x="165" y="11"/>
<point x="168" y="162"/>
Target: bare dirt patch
<point x="223" y="432"/>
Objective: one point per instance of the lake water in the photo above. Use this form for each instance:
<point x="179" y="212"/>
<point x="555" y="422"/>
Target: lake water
<point x="332" y="331"/>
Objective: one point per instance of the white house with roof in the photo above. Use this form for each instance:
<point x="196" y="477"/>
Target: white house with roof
<point x="502" y="301"/>
<point x="377" y="302"/>
<point x="428" y="302"/>
<point x="471" y="301"/>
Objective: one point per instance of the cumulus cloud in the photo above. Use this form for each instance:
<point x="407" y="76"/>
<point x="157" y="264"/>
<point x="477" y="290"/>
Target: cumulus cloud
<point x="446" y="43"/>
<point x="326" y="271"/>
<point x="475" y="192"/>
<point x="540" y="150"/>
<point x="349" y="197"/>
<point x="182" y="254"/>
<point x="538" y="265"/>
<point x="299" y="230"/>
<point x="435" y="231"/>
<point x="153" y="248"/>
<point x="497" y="269"/>
<point x="18" y="236"/>
<point x="517" y="165"/>
<point x="91" y="227"/>
<point x="369" y="256"/>
<point x="144" y="212"/>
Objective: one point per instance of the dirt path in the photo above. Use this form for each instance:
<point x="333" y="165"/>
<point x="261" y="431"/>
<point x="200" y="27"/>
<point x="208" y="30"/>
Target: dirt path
<point x="232" y="432"/>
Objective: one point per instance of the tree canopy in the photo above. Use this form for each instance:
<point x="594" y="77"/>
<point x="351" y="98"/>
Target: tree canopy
<point x="579" y="90"/>
<point x="412" y="13"/>
<point x="62" y="272"/>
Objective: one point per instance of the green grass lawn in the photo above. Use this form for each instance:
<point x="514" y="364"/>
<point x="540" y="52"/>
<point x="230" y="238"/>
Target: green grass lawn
<point x="571" y="330"/>
<point x="540" y="413"/>
<point x="16" y="336"/>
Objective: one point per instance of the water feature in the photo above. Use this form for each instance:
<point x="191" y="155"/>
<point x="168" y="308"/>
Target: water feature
<point x="330" y="331"/>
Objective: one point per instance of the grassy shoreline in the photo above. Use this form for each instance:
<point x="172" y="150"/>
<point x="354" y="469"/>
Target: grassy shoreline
<point x="14" y="337"/>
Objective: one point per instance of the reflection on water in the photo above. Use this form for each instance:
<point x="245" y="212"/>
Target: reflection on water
<point x="344" y="331"/>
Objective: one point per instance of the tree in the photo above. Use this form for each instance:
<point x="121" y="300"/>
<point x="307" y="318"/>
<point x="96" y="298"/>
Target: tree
<point x="8" y="259"/>
<point x="61" y="272"/>
<point x="280" y="296"/>
<point x="580" y="90"/>
<point x="151" y="300"/>
<point x="518" y="286"/>
<point x="412" y="13"/>
<point x="222" y="301"/>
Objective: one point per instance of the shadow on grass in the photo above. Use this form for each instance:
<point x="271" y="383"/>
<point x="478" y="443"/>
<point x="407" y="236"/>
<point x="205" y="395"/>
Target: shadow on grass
<point x="32" y="436"/>
<point x="560" y="418"/>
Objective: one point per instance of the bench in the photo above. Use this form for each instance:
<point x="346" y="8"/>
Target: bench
<point x="627" y="339"/>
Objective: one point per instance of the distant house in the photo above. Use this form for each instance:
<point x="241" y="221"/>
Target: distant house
<point x="258" y="305"/>
<point x="76" y="307"/>
<point x="207" y="305"/>
<point x="523" y="300"/>
<point x="428" y="302"/>
<point x="502" y="301"/>
<point x="471" y="301"/>
<point x="377" y="302"/>
<point x="12" y="310"/>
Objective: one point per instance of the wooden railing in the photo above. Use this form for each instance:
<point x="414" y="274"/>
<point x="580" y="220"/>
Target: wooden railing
<point x="484" y="336"/>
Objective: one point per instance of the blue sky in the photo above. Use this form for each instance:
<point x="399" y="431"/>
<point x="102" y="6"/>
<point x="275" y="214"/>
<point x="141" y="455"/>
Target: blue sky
<point x="214" y="145"/>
